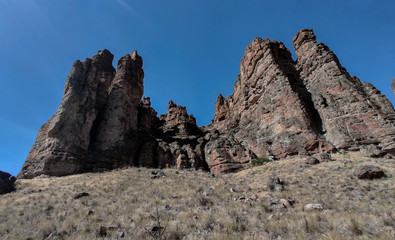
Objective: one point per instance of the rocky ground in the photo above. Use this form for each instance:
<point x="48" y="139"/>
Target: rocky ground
<point x="287" y="199"/>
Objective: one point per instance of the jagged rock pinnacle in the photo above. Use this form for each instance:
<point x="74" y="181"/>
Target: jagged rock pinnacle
<point x="303" y="36"/>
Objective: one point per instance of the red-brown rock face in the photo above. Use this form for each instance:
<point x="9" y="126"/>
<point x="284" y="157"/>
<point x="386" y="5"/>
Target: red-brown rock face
<point x="224" y="153"/>
<point x="270" y="111"/>
<point x="177" y="119"/>
<point x="353" y="113"/>
<point x="279" y="107"/>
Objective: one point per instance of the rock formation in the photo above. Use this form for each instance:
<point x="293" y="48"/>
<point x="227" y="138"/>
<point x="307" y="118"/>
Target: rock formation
<point x="62" y="144"/>
<point x="282" y="107"/>
<point x="181" y="142"/>
<point x="393" y="86"/>
<point x="6" y="182"/>
<point x="353" y="114"/>
<point x="115" y="137"/>
<point x="368" y="172"/>
<point x="270" y="111"/>
<point x="102" y="123"/>
<point x="279" y="108"/>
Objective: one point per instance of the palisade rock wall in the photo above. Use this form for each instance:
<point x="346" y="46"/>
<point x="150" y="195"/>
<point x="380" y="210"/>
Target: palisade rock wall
<point x="270" y="110"/>
<point x="354" y="114"/>
<point x="104" y="123"/>
<point x="279" y="108"/>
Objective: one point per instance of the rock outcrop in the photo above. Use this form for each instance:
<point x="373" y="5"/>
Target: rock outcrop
<point x="270" y="111"/>
<point x="279" y="108"/>
<point x="180" y="142"/>
<point x="6" y="182"/>
<point x="368" y="172"/>
<point x="282" y="107"/>
<point x="62" y="144"/>
<point x="353" y="114"/>
<point x="393" y="86"/>
<point x="102" y="123"/>
<point x="115" y="138"/>
<point x="224" y="153"/>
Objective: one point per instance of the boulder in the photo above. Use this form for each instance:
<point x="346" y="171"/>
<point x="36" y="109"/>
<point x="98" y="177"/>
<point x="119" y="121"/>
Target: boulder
<point x="275" y="184"/>
<point x="323" y="157"/>
<point x="313" y="207"/>
<point x="312" y="161"/>
<point x="276" y="203"/>
<point x="286" y="202"/>
<point x="157" y="174"/>
<point x="265" y="236"/>
<point x="6" y="182"/>
<point x="368" y="172"/>
<point x="371" y="151"/>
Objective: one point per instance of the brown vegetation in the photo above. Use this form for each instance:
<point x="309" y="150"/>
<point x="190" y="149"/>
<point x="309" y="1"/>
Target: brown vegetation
<point x="128" y="203"/>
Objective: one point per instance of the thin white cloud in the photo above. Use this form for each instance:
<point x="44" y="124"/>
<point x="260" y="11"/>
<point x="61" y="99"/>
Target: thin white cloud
<point x="127" y="6"/>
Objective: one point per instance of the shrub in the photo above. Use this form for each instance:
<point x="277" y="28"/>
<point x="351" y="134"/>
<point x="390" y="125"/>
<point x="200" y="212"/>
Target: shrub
<point x="259" y="161"/>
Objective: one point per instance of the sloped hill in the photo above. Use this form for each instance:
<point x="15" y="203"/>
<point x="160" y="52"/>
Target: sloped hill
<point x="128" y="204"/>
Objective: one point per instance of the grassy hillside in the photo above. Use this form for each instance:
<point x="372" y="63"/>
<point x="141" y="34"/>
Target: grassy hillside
<point x="129" y="204"/>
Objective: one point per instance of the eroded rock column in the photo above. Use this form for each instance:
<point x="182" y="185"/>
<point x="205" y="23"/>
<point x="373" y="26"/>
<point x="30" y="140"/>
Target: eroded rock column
<point x="61" y="146"/>
<point x="354" y="114"/>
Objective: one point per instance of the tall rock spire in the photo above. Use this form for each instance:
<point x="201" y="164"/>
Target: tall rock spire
<point x="115" y="136"/>
<point x="270" y="110"/>
<point x="61" y="146"/>
<point x="353" y="113"/>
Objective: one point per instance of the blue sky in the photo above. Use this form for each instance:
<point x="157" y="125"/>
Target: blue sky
<point x="191" y="50"/>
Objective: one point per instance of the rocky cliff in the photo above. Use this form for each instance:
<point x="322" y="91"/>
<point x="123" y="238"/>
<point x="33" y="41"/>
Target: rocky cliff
<point x="353" y="114"/>
<point x="282" y="107"/>
<point x="279" y="108"/>
<point x="393" y="86"/>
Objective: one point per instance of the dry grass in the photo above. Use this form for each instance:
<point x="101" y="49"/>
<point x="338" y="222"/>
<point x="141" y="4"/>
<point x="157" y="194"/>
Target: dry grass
<point x="128" y="202"/>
